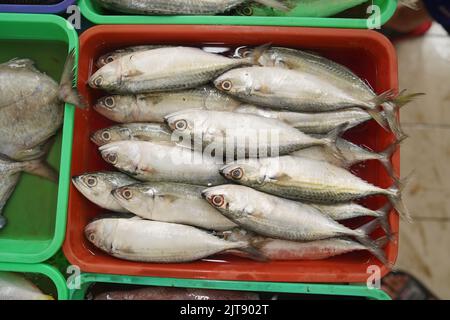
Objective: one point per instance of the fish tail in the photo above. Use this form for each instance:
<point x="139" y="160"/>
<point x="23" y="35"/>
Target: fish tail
<point x="41" y="168"/>
<point x="379" y="118"/>
<point x="274" y="4"/>
<point x="394" y="194"/>
<point x="247" y="250"/>
<point x="331" y="139"/>
<point x="383" y="218"/>
<point x="372" y="246"/>
<point x="387" y="155"/>
<point x="67" y="92"/>
<point x="391" y="108"/>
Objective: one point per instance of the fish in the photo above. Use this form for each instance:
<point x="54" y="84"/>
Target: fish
<point x="339" y="74"/>
<point x="10" y="172"/>
<point x="172" y="202"/>
<point x="160" y="162"/>
<point x="97" y="187"/>
<point x="171" y="293"/>
<point x="309" y="180"/>
<point x="154" y="107"/>
<point x="278" y="218"/>
<point x="32" y="107"/>
<point x="182" y="7"/>
<point x="301" y="91"/>
<point x="132" y="131"/>
<point x="351" y="154"/>
<point x="119" y="53"/>
<point x="286" y="250"/>
<point x="14" y="286"/>
<point x="311" y="123"/>
<point x="163" y="69"/>
<point x="135" y="239"/>
<point x="246" y="135"/>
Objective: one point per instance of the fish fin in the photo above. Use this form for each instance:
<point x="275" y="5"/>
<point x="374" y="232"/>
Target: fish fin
<point x="387" y="155"/>
<point x="258" y="52"/>
<point x="274" y="4"/>
<point x="253" y="253"/>
<point x="132" y="73"/>
<point x="395" y="197"/>
<point x="42" y="168"/>
<point x="369" y="227"/>
<point x="67" y="90"/>
<point x="412" y="4"/>
<point x="383" y="217"/>
<point x="330" y="141"/>
<point x="282" y="177"/>
<point x="264" y="90"/>
<point x="372" y="247"/>
<point x="378" y="117"/>
<point x="170" y="197"/>
<point x="382" y="242"/>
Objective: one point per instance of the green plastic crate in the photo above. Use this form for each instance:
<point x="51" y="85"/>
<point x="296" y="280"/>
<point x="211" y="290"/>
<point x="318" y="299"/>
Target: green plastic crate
<point x="87" y="279"/>
<point x="97" y="15"/>
<point x="37" y="211"/>
<point x="46" y="277"/>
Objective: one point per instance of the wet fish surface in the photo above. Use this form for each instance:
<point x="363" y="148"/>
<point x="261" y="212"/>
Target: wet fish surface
<point x="14" y="286"/>
<point x="172" y="202"/>
<point x="136" y="239"/>
<point x="154" y="107"/>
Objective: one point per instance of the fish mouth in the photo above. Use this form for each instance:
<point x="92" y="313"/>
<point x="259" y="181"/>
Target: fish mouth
<point x="226" y="172"/>
<point x="96" y="139"/>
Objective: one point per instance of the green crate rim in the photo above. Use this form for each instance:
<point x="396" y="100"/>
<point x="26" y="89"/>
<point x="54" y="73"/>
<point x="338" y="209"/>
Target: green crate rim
<point x="236" y="20"/>
<point x="66" y="151"/>
<point x="49" y="271"/>
<point x="278" y="287"/>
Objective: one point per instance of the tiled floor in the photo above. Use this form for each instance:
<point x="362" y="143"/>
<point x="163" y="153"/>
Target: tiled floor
<point x="425" y="244"/>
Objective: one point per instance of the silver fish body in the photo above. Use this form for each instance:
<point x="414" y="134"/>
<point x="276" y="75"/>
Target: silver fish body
<point x="247" y="135"/>
<point x="30" y="109"/>
<point x="285" y="250"/>
<point x="133" y="131"/>
<point x="154" y="107"/>
<point x="172" y="202"/>
<point x="157" y="162"/>
<point x="312" y="123"/>
<point x="273" y="216"/>
<point x="136" y="239"/>
<point x="303" y="179"/>
<point x="14" y="286"/>
<point x="97" y="187"/>
<point x="179" y="7"/>
<point x="346" y="211"/>
<point x="293" y="90"/>
<point x="164" y="69"/>
<point x="119" y="53"/>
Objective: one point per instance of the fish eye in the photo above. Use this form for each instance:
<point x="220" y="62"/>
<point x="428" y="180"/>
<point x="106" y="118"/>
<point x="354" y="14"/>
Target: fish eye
<point x="109" y="102"/>
<point x="127" y="194"/>
<point x="92" y="237"/>
<point x="226" y="85"/>
<point x="247" y="11"/>
<point x="247" y="53"/>
<point x="91" y="181"/>
<point x="98" y="81"/>
<point x="181" y="125"/>
<point x="112" y="158"/>
<point x="109" y="59"/>
<point x="106" y="135"/>
<point x="237" y="174"/>
<point x="218" y="201"/>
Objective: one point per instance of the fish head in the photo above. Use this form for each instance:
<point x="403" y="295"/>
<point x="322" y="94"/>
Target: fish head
<point x="228" y="199"/>
<point x="245" y="172"/>
<point x="92" y="184"/>
<point x="124" y="155"/>
<point x="107" y="77"/>
<point x="134" y="197"/>
<point x="187" y="122"/>
<point x="236" y="82"/>
<point x="117" y="108"/>
<point x="109" y="135"/>
<point x="101" y="233"/>
<point x="105" y="59"/>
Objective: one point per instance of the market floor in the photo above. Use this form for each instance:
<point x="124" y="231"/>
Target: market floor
<point x="424" y="65"/>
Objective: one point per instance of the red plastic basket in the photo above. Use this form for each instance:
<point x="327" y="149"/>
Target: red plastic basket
<point x="367" y="53"/>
